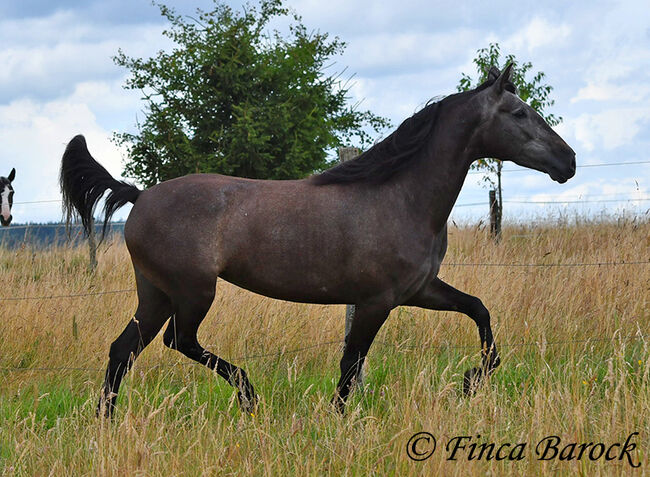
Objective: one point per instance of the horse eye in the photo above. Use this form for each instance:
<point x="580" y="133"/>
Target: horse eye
<point x="519" y="113"/>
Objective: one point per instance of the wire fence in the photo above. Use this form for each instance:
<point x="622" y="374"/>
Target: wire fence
<point x="627" y="198"/>
<point x="448" y="264"/>
<point x="579" y="166"/>
<point x="451" y="264"/>
<point x="302" y="349"/>
<point x="557" y="202"/>
<point x="170" y="365"/>
<point x="522" y="169"/>
<point x="283" y="352"/>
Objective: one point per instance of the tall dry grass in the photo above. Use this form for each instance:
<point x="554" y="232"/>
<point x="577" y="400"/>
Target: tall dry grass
<point x="575" y="363"/>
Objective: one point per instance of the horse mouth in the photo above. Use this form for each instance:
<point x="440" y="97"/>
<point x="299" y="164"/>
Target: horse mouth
<point x="562" y="176"/>
<point x="560" y="179"/>
<point x="5" y="222"/>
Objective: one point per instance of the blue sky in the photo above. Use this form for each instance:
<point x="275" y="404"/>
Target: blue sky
<point x="57" y="79"/>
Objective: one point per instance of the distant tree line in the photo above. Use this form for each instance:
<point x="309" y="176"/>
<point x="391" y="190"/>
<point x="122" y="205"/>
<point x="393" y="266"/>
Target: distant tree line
<point x="49" y="234"/>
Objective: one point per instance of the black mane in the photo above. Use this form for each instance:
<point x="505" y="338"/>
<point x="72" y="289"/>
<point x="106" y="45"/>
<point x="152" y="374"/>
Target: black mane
<point x="388" y="157"/>
<point x="395" y="153"/>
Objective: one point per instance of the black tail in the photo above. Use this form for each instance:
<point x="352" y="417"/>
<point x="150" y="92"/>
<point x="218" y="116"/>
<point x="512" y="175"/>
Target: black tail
<point x="83" y="182"/>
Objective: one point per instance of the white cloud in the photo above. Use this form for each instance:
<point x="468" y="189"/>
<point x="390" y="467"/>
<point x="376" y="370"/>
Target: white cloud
<point x="34" y="136"/>
<point x="610" y="128"/>
<point x="398" y="51"/>
<point x="610" y="92"/>
<point x="45" y="57"/>
<point x="57" y="78"/>
<point x="623" y="189"/>
<point x="539" y="33"/>
<point x="532" y="181"/>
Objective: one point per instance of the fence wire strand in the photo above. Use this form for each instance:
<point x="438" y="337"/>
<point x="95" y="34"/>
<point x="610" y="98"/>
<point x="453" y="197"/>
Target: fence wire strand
<point x="327" y="343"/>
<point x="450" y="264"/>
<point x="302" y="349"/>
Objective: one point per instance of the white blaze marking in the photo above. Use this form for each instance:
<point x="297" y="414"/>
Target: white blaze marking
<point x="6" y="212"/>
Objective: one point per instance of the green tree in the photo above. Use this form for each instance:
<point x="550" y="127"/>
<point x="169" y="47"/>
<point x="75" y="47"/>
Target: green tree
<point x="533" y="91"/>
<point x="235" y="97"/>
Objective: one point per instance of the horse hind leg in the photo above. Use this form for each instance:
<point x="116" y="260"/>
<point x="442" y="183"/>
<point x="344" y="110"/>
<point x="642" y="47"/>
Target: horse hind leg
<point x="154" y="307"/>
<point x="181" y="335"/>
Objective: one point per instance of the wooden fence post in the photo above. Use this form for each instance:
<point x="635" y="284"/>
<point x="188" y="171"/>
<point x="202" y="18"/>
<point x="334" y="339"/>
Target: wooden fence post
<point x="345" y="154"/>
<point x="495" y="216"/>
<point x="92" y="245"/>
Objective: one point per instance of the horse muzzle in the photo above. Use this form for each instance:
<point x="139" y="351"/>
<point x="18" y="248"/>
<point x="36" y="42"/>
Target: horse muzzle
<point x="5" y="222"/>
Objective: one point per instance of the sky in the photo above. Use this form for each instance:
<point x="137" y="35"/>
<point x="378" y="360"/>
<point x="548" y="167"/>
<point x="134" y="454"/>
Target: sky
<point x="58" y="79"/>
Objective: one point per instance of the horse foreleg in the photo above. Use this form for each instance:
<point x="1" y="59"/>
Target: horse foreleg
<point x="438" y="295"/>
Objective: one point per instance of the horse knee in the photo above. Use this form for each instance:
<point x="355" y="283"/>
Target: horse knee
<point x="117" y="352"/>
<point x="174" y="340"/>
<point x="181" y="342"/>
<point x="479" y="313"/>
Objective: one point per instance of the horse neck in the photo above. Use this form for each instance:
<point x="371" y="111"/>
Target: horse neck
<point x="432" y="185"/>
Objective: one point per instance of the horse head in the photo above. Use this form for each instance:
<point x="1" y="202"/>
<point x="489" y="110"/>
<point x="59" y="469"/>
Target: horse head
<point x="511" y="130"/>
<point x="6" y="197"/>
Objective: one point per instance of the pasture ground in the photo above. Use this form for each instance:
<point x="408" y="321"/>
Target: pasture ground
<point x="574" y="342"/>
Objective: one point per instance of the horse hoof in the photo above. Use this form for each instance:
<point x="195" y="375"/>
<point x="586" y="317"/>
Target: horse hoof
<point x="471" y="381"/>
<point x="104" y="411"/>
<point x="247" y="403"/>
<point x="339" y="404"/>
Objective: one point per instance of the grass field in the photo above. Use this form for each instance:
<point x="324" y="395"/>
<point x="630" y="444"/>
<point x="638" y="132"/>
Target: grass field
<point x="574" y="341"/>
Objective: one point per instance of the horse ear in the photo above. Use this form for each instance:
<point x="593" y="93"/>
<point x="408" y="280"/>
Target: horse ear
<point x="12" y="175"/>
<point x="493" y="73"/>
<point x="503" y="82"/>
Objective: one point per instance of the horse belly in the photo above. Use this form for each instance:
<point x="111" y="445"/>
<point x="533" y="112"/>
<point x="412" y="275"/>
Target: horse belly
<point x="322" y="267"/>
<point x="293" y="277"/>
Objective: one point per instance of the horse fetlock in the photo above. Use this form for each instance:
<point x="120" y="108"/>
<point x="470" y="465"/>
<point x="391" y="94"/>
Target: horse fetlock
<point x="494" y="362"/>
<point x="338" y="402"/>
<point x="491" y="358"/>
<point x="472" y="380"/>
<point x="106" y="405"/>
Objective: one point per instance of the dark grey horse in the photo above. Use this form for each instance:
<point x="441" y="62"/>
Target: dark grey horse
<point x="370" y="232"/>
<point x="6" y="198"/>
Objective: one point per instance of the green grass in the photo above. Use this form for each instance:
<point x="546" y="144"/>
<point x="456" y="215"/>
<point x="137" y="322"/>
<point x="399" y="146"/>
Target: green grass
<point x="574" y="364"/>
<point x="55" y="410"/>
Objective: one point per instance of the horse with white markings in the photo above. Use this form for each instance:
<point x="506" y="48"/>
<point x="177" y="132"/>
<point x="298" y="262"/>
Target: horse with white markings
<point x="370" y="232"/>
<point x="6" y="198"/>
